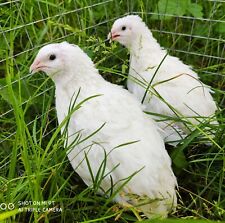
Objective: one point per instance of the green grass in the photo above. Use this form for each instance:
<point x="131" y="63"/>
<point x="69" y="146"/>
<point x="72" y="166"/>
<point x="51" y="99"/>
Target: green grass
<point x="33" y="161"/>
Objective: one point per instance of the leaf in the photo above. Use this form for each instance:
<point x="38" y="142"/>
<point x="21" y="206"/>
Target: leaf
<point x="195" y="10"/>
<point x="4" y="91"/>
<point x="179" y="158"/>
<point x="8" y="214"/>
<point x="220" y="28"/>
<point x="90" y="53"/>
<point x="124" y="68"/>
<point x="173" y="7"/>
<point x="179" y="8"/>
<point x="25" y="90"/>
<point x="201" y="29"/>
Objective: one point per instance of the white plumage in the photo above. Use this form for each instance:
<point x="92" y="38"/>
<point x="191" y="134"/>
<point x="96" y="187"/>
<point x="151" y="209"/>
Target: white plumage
<point x="71" y="69"/>
<point x="180" y="86"/>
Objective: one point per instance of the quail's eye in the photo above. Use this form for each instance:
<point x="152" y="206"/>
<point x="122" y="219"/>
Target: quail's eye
<point x="52" y="57"/>
<point x="123" y="28"/>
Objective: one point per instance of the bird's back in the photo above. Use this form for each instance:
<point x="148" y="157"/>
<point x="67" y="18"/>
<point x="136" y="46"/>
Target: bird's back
<point x="175" y="82"/>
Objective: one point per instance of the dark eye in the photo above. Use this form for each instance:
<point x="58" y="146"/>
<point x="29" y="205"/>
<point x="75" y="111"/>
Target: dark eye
<point x="123" y="28"/>
<point x="52" y="57"/>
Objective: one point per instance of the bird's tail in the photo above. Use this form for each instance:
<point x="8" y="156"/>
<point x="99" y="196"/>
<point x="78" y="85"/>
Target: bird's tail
<point x="159" y="208"/>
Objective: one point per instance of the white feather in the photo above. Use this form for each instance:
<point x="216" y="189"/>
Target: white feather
<point x="124" y="122"/>
<point x="180" y="86"/>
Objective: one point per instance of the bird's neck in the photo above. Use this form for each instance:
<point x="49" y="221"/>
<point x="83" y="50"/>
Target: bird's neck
<point x="75" y="78"/>
<point x="145" y="52"/>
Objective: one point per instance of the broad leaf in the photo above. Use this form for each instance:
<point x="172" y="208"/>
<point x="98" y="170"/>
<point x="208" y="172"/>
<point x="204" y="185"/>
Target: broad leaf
<point x="173" y="7"/>
<point x="195" y="10"/>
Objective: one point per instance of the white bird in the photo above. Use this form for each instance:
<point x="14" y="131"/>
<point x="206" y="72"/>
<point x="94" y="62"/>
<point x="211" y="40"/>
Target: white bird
<point x="173" y="84"/>
<point x="123" y="121"/>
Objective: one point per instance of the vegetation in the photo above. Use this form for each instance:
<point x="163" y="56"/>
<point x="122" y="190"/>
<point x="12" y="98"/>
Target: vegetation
<point x="33" y="163"/>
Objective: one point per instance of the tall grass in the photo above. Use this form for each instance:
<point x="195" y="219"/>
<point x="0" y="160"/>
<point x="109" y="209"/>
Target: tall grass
<point x="33" y="161"/>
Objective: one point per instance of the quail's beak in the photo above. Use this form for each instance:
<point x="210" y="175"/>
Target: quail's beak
<point x="36" y="66"/>
<point x="112" y="36"/>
